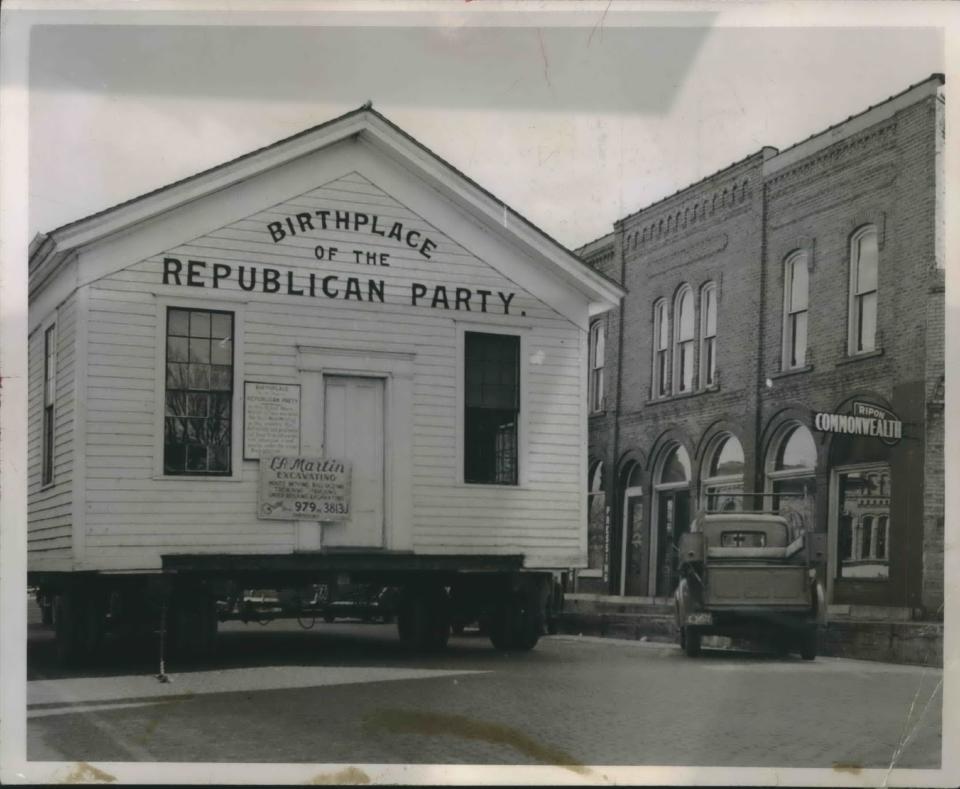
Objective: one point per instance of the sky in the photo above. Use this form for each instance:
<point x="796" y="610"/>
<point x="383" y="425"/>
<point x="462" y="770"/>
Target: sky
<point x="572" y="126"/>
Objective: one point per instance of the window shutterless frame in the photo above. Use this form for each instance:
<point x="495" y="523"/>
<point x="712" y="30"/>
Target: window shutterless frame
<point x="236" y="307"/>
<point x="48" y="426"/>
<point x="683" y="334"/>
<point x="198" y="392"/>
<point x="864" y="279"/>
<point x="597" y="352"/>
<point x="795" y="306"/>
<point x="661" y="349"/>
<point x="491" y="408"/>
<point x="708" y="335"/>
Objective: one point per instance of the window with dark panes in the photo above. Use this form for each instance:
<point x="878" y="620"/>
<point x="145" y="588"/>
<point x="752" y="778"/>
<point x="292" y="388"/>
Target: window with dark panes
<point x="492" y="408"/>
<point x="199" y="392"/>
<point x="49" y="371"/>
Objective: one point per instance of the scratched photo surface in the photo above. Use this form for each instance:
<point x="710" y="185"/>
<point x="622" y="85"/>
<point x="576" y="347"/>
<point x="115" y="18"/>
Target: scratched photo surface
<point x="410" y="391"/>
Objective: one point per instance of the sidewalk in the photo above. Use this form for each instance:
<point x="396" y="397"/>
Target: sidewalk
<point x="850" y="633"/>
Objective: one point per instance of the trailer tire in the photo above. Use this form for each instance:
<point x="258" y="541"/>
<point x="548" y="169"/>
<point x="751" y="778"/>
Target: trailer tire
<point x="193" y="625"/>
<point x="78" y="619"/>
<point x="690" y="637"/>
<point x="423" y="620"/>
<point x="516" y="624"/>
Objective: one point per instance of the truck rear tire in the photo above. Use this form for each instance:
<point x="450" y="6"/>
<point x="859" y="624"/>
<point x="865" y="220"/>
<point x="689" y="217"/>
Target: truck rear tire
<point x="808" y="644"/>
<point x="690" y="639"/>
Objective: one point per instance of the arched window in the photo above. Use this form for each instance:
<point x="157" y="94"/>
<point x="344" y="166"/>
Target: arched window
<point x="795" y="292"/>
<point x="672" y="517"/>
<point x="597" y="350"/>
<point x="661" y="348"/>
<point x="596" y="522"/>
<point x="790" y="474"/>
<point x="723" y="474"/>
<point x="683" y="341"/>
<point x="864" y="266"/>
<point x="708" y="334"/>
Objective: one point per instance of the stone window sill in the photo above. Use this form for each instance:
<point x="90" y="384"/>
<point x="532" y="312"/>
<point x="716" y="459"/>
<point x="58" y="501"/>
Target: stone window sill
<point x="792" y="371"/>
<point x="859" y="357"/>
<point x="683" y="396"/>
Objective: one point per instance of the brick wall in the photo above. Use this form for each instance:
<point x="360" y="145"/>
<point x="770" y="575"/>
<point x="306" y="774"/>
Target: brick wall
<point x="735" y="229"/>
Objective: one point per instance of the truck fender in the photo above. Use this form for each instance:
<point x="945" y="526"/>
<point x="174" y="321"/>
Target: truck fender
<point x="820" y="603"/>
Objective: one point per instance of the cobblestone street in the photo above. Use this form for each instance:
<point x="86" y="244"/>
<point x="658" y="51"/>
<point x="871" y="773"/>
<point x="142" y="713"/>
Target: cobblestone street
<point x="349" y="693"/>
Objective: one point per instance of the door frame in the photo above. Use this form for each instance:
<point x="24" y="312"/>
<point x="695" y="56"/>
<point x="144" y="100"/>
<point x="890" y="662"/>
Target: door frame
<point x="396" y="370"/>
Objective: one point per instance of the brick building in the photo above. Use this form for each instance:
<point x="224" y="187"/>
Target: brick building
<point x="782" y="334"/>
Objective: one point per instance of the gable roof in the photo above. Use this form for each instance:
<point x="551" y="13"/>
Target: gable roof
<point x="365" y="122"/>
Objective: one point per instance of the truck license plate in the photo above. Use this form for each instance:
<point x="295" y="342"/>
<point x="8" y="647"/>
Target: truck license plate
<point x="699" y="619"/>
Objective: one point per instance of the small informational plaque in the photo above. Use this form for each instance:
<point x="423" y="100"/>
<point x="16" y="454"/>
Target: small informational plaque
<point x="271" y="419"/>
<point x="304" y="488"/>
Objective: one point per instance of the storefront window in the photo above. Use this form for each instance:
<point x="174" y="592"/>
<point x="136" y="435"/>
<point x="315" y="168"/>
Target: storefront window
<point x="723" y="476"/>
<point x="864" y="522"/>
<point x="597" y="519"/>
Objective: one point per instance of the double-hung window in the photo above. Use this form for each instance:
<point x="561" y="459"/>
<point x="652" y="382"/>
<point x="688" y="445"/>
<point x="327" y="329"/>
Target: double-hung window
<point x="683" y="341"/>
<point x="661" y="353"/>
<point x="596" y="350"/>
<point x="796" y="287"/>
<point x="492" y="408"/>
<point x="199" y="393"/>
<point x="863" y="291"/>
<point x="708" y="334"/>
<point x="49" y="399"/>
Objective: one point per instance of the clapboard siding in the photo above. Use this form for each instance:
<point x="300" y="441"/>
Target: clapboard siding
<point x="133" y="516"/>
<point x="50" y="508"/>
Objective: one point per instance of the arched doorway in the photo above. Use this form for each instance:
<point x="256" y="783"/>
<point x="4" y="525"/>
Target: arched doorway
<point x="633" y="553"/>
<point x="721" y="485"/>
<point x="791" y="468"/>
<point x="672" y="516"/>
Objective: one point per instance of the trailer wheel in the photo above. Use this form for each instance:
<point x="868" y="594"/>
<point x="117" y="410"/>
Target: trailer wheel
<point x="78" y="619"/>
<point x="690" y="638"/>
<point x="193" y="625"/>
<point x="808" y="644"/>
<point x="423" y="619"/>
<point x="516" y="624"/>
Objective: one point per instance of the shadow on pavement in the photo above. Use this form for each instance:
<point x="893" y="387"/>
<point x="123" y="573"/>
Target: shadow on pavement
<point x="280" y="643"/>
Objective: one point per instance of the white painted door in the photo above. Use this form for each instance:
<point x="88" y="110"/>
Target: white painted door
<point x="353" y="429"/>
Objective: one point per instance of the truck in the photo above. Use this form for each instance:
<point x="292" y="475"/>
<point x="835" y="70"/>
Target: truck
<point x="333" y="362"/>
<point x="751" y="576"/>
